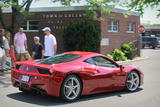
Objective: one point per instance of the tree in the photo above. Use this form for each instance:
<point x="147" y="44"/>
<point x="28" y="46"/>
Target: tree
<point x="82" y="36"/>
<point x="20" y="10"/>
<point x="140" y="5"/>
<point x="93" y="6"/>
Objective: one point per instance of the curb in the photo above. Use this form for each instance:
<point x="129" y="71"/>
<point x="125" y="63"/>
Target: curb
<point x="134" y="60"/>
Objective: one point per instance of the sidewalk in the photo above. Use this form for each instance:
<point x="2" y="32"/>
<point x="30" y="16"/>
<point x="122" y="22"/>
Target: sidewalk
<point x="135" y="59"/>
<point x="5" y="81"/>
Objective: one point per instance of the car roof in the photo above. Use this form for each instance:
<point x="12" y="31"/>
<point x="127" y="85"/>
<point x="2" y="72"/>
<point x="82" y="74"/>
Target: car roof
<point x="148" y="37"/>
<point x="83" y="53"/>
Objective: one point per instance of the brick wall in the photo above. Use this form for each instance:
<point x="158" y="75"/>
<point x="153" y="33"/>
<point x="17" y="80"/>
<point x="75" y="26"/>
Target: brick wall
<point x="122" y="36"/>
<point x="58" y="20"/>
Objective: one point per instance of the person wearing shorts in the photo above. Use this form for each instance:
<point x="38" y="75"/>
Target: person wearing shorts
<point x="20" y="43"/>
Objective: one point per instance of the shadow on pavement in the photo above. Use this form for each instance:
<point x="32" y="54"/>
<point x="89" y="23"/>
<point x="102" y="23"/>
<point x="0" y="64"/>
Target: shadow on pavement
<point x="54" y="101"/>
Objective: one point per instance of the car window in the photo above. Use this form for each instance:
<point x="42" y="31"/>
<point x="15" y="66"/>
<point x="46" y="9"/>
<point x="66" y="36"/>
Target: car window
<point x="144" y="39"/>
<point x="90" y="61"/>
<point x="61" y="58"/>
<point x="149" y="39"/>
<point x="101" y="61"/>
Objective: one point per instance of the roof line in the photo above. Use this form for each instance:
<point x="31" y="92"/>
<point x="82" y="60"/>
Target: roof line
<point x="71" y="8"/>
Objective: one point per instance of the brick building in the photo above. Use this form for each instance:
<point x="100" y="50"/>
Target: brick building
<point x="114" y="31"/>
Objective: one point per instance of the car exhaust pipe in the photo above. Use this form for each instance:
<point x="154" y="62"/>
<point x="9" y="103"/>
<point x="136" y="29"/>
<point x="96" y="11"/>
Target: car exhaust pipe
<point x="39" y="90"/>
<point x="16" y="84"/>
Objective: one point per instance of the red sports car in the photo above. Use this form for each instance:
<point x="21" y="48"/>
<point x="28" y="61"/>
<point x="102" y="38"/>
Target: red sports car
<point x="72" y="74"/>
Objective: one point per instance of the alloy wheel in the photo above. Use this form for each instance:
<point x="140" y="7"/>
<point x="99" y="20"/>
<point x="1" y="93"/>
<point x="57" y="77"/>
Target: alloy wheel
<point x="72" y="88"/>
<point x="132" y="82"/>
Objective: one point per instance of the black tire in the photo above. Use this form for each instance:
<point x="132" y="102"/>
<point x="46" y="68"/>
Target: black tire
<point x="63" y="88"/>
<point x="137" y="82"/>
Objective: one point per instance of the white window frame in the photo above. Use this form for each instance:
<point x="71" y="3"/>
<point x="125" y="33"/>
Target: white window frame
<point x="112" y="26"/>
<point x="129" y="27"/>
<point x="27" y="25"/>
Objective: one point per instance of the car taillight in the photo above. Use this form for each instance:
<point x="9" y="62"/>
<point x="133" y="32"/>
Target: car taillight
<point x="44" y="71"/>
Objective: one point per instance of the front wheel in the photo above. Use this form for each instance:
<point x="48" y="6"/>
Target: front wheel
<point x="71" y="88"/>
<point x="132" y="82"/>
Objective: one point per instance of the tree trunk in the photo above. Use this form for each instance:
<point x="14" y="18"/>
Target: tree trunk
<point x="17" y="20"/>
<point x="1" y="19"/>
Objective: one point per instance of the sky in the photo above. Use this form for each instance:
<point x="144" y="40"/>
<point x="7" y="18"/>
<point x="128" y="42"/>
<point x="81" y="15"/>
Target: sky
<point x="149" y="16"/>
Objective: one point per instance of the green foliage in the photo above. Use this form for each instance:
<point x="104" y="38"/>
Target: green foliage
<point x="140" y="5"/>
<point x="82" y="36"/>
<point x="4" y="4"/>
<point x="103" y="6"/>
<point x="158" y="15"/>
<point x="117" y="55"/>
<point x="151" y="25"/>
<point x="110" y="56"/>
<point x="128" y="50"/>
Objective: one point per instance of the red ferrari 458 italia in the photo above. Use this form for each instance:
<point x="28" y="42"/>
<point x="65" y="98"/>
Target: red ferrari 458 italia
<point x="72" y="74"/>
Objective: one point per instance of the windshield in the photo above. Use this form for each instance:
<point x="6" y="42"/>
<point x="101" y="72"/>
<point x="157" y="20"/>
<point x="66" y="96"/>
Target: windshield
<point x="60" y="58"/>
<point x="149" y="39"/>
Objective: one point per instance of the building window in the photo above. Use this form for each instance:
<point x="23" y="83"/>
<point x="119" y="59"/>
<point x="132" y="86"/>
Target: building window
<point x="112" y="26"/>
<point x="30" y="25"/>
<point x="130" y="27"/>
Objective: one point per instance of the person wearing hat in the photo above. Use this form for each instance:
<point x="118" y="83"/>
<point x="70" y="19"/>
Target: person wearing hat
<point x="20" y="43"/>
<point x="50" y="43"/>
<point x="38" y="49"/>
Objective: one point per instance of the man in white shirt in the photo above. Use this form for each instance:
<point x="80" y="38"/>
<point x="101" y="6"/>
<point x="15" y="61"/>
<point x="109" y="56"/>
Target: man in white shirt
<point x="50" y="43"/>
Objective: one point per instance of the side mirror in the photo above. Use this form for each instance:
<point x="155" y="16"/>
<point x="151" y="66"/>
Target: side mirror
<point x="121" y="67"/>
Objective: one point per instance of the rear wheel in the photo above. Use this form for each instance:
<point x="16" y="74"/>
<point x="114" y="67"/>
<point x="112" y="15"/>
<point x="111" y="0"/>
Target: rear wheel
<point x="71" y="88"/>
<point x="132" y="82"/>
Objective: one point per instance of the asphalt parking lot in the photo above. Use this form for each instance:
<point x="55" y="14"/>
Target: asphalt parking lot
<point x="147" y="96"/>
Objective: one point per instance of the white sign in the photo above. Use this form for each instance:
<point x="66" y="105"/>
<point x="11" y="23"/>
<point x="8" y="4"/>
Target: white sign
<point x="25" y="78"/>
<point x="105" y="42"/>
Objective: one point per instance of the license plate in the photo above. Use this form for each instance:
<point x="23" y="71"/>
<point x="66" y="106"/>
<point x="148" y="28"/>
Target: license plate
<point x="25" y="78"/>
